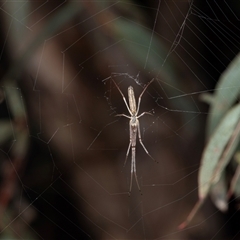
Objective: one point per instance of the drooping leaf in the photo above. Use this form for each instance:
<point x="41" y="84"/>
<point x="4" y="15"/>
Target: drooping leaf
<point x="226" y="93"/>
<point x="215" y="149"/>
<point x="223" y="140"/>
<point x="218" y="194"/>
<point x="227" y="154"/>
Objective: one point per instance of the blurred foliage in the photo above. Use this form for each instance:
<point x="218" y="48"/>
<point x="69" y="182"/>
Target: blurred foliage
<point x="14" y="141"/>
<point x="61" y="17"/>
<point x="14" y="132"/>
<point x="14" y="129"/>
<point x="223" y="126"/>
<point x="223" y="134"/>
<point x="224" y="118"/>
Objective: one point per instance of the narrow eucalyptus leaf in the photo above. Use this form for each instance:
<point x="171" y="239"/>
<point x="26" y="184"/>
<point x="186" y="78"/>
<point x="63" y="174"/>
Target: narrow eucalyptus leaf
<point x="214" y="150"/>
<point x="226" y="93"/>
<point x="218" y="194"/>
<point x="227" y="154"/>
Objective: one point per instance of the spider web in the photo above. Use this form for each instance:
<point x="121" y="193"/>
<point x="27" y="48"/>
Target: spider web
<point x="63" y="148"/>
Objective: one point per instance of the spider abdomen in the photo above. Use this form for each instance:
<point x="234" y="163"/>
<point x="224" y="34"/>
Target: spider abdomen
<point x="131" y="99"/>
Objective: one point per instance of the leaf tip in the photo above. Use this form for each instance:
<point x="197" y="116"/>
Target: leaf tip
<point x="221" y="205"/>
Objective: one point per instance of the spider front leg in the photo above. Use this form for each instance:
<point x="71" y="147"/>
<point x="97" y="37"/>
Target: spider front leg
<point x="140" y="97"/>
<point x="124" y="99"/>
<point x="122" y="115"/>
<point x="144" y="114"/>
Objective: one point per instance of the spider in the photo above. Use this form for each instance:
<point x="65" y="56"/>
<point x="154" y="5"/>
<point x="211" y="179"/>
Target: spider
<point x="134" y="128"/>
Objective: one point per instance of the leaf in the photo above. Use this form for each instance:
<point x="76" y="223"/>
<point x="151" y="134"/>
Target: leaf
<point x="227" y="154"/>
<point x="218" y="194"/>
<point x="226" y="93"/>
<point x="214" y="151"/>
<point x="223" y="130"/>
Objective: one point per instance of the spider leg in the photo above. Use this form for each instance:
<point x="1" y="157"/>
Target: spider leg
<point x="122" y="115"/>
<point x="130" y="189"/>
<point x="140" y="140"/>
<point x="140" y="97"/>
<point x="133" y="169"/>
<point x="144" y="114"/>
<point x="130" y="143"/>
<point x="124" y="99"/>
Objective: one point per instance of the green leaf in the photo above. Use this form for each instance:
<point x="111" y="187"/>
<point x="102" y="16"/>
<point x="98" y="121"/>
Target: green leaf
<point x="213" y="152"/>
<point x="226" y="93"/>
<point x="218" y="194"/>
<point x="227" y="154"/>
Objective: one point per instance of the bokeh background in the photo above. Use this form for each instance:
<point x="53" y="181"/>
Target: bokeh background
<point x="62" y="148"/>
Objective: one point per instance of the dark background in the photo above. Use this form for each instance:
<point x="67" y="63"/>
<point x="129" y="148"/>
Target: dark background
<point x="53" y="186"/>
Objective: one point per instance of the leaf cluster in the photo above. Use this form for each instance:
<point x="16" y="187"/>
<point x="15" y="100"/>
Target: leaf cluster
<point x="222" y="147"/>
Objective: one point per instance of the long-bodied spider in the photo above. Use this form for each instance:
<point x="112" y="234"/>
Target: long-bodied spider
<point x="134" y="127"/>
